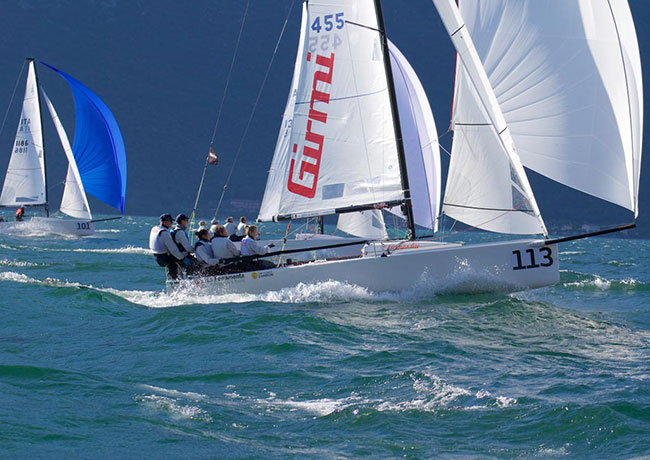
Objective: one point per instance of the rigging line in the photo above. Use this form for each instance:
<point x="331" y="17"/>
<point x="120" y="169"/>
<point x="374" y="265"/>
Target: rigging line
<point x="232" y="65"/>
<point x="250" y="119"/>
<point x="216" y="125"/>
<point x="12" y="97"/>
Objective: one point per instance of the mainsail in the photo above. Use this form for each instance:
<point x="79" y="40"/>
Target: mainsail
<point x="337" y="146"/>
<point x="487" y="186"/>
<point x="25" y="182"/>
<point x="74" y="202"/>
<point x="98" y="146"/>
<point x="567" y="75"/>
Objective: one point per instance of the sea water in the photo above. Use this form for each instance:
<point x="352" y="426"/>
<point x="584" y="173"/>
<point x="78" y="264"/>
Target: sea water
<point x="98" y="362"/>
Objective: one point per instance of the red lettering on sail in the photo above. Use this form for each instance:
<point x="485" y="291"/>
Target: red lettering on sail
<point x="304" y="184"/>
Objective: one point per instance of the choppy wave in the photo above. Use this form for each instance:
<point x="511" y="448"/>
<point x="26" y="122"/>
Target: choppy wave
<point x="17" y="263"/>
<point x="124" y="250"/>
<point x="429" y="393"/>
<point x="587" y="281"/>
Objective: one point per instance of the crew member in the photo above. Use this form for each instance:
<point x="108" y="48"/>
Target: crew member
<point x="241" y="227"/>
<point x="240" y="233"/>
<point x="20" y="214"/>
<point x="213" y="227"/>
<point x="164" y="250"/>
<point x="251" y="247"/>
<point x="222" y="247"/>
<point x="230" y="226"/>
<point x="179" y="233"/>
<point x="203" y="250"/>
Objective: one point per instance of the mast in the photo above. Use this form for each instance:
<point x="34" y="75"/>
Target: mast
<point x="40" y="114"/>
<point x="407" y="207"/>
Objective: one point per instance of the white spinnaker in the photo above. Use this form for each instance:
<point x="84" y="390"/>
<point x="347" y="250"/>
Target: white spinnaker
<point x="277" y="174"/>
<point x="567" y="74"/>
<point x="74" y="202"/>
<point x="487" y="186"/>
<point x="420" y="142"/>
<point x="25" y="180"/>
<point x="341" y="149"/>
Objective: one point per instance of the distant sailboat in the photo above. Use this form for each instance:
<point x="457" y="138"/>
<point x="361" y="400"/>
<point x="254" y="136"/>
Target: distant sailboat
<point x="96" y="161"/>
<point x="342" y="145"/>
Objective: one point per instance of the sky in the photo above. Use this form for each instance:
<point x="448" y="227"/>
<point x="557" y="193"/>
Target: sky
<point x="162" y="69"/>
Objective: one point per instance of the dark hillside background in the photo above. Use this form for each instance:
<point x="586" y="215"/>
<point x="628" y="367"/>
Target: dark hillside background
<point x="161" y="67"/>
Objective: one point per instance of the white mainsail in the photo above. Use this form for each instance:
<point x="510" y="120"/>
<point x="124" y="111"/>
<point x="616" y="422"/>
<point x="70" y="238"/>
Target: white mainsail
<point x="338" y="149"/>
<point x="25" y="179"/>
<point x="487" y="185"/>
<point x="74" y="202"/>
<point x="567" y="75"/>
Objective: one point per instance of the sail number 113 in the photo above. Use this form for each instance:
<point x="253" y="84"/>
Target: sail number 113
<point x="531" y="258"/>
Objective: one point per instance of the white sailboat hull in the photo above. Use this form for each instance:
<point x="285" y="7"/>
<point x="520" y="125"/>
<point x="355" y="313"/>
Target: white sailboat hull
<point x="450" y="268"/>
<point x="38" y="225"/>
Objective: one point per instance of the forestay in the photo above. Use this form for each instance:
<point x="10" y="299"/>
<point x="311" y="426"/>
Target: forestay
<point x="337" y="144"/>
<point x="567" y="75"/>
<point x="487" y="186"/>
<point x="74" y="202"/>
<point x="25" y="180"/>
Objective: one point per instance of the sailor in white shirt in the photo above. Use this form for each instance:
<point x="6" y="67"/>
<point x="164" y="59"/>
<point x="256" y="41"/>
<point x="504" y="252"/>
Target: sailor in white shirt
<point x="230" y="226"/>
<point x="214" y="223"/>
<point x="222" y="247"/>
<point x="203" y="250"/>
<point x="251" y="247"/>
<point x="165" y="251"/>
<point x="241" y="228"/>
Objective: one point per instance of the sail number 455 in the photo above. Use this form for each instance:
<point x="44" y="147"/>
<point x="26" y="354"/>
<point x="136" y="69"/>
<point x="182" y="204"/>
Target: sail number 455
<point x="328" y="22"/>
<point x="531" y="258"/>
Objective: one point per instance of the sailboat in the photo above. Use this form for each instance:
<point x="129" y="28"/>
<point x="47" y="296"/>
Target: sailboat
<point x="540" y="92"/>
<point x="96" y="161"/>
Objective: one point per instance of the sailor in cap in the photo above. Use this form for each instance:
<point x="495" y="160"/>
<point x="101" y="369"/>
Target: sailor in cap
<point x="165" y="251"/>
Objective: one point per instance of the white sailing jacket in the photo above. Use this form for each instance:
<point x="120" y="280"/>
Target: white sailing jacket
<point x="223" y="248"/>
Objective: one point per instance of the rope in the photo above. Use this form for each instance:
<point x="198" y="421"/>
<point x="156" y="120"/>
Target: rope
<point x="232" y="64"/>
<point x="250" y="119"/>
<point x="216" y="125"/>
<point x="4" y="120"/>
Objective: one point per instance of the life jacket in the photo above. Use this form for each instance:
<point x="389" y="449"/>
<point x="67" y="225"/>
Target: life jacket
<point x="201" y="243"/>
<point x="155" y="241"/>
<point x="173" y="233"/>
<point x="20" y="212"/>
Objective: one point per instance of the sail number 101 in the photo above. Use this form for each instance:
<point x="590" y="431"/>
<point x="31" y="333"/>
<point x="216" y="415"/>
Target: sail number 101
<point x="531" y="258"/>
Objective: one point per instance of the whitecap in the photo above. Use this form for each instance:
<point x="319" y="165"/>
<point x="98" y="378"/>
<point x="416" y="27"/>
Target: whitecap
<point x="177" y="410"/>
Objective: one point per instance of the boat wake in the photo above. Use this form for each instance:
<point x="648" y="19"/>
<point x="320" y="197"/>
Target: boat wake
<point x="326" y="292"/>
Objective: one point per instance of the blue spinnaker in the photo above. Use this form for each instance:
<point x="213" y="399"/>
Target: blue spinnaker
<point x="98" y="146"/>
